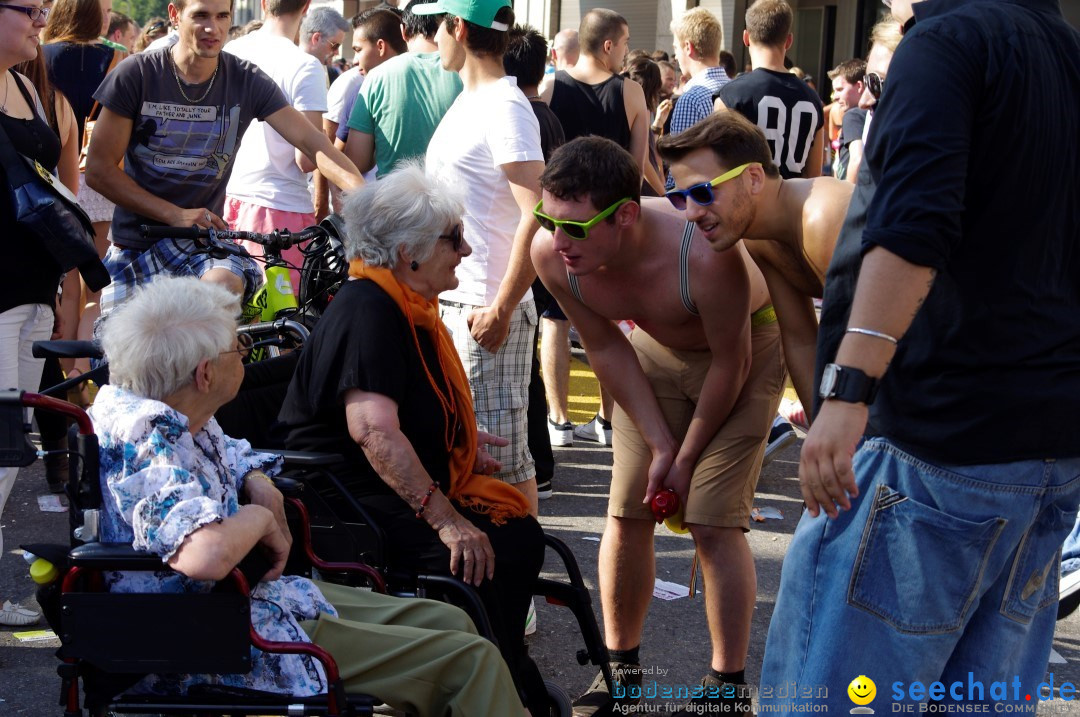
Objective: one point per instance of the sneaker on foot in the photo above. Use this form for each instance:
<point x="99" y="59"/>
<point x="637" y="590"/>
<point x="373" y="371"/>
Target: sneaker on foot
<point x="597" y="430"/>
<point x="16" y="615"/>
<point x="597" y="700"/>
<point x="781" y="436"/>
<point x="530" y="618"/>
<point x="543" y="489"/>
<point x="719" y="698"/>
<point x="561" y="434"/>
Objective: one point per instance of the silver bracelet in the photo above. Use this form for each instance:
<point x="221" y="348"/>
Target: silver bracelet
<point x="875" y="334"/>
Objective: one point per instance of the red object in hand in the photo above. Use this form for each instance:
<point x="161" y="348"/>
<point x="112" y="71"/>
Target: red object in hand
<point x="665" y="504"/>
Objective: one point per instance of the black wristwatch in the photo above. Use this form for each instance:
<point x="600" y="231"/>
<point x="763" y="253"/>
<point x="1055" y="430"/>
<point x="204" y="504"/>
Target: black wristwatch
<point x="847" y="384"/>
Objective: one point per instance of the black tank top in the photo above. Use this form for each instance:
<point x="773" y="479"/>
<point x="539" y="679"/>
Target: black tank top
<point x="585" y="109"/>
<point x="28" y="274"/>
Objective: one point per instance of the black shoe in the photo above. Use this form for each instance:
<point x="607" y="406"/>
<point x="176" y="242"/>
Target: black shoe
<point x="597" y="701"/>
<point x="719" y="697"/>
<point x="781" y="436"/>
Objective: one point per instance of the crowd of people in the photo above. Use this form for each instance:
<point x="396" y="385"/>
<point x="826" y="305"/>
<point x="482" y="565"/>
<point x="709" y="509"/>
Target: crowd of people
<point x="902" y="255"/>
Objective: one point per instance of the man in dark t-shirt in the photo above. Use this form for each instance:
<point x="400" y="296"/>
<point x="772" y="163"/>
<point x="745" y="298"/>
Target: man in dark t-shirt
<point x="782" y="105"/>
<point x="847" y="84"/>
<point x="174" y="118"/>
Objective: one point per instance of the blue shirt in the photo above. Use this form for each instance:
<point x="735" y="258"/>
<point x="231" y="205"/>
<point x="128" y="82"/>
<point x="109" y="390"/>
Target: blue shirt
<point x="974" y="150"/>
<point x="696" y="103"/>
<point x="159" y="484"/>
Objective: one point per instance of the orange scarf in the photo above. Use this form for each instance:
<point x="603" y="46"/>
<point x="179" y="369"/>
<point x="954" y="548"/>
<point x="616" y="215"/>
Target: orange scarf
<point x="477" y="492"/>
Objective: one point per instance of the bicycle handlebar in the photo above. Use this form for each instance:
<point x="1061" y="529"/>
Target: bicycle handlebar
<point x="275" y="241"/>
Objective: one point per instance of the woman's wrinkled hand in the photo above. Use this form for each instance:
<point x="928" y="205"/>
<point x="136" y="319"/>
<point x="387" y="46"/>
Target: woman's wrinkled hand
<point x="470" y="550"/>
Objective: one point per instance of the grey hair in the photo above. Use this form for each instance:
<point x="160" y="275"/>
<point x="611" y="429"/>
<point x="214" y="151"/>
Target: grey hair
<point x="323" y="20"/>
<point x="155" y="341"/>
<point x="401" y="215"/>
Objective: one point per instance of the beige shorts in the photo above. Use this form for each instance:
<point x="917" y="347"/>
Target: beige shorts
<point x="726" y="474"/>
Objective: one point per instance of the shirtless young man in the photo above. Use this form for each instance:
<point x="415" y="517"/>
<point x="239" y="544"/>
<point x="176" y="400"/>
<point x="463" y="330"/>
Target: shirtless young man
<point x="790" y="225"/>
<point x="696" y="385"/>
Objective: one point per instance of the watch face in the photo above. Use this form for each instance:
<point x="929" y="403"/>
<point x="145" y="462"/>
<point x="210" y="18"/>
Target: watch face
<point x="828" y="380"/>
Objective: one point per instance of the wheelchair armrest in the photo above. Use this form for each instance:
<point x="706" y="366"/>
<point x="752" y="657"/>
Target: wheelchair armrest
<point x="289" y="488"/>
<point x="306" y="459"/>
<point x="113" y="556"/>
<point x="66" y="349"/>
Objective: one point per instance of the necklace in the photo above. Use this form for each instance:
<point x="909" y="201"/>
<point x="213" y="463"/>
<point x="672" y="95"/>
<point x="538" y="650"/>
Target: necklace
<point x="180" y="85"/>
<point x="532" y="97"/>
<point x="7" y="86"/>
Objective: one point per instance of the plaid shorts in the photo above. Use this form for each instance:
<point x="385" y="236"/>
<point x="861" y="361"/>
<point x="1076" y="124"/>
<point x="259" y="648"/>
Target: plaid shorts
<point x="131" y="268"/>
<point x="500" y="384"/>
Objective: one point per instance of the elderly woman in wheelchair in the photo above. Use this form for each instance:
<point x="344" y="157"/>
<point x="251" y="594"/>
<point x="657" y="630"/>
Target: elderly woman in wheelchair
<point x="175" y="485"/>
<point x="380" y="383"/>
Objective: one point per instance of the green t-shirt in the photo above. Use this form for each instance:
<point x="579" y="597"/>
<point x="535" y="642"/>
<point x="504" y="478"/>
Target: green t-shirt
<point x="401" y="103"/>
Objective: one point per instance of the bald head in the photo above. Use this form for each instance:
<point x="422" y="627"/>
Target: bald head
<point x="565" y="49"/>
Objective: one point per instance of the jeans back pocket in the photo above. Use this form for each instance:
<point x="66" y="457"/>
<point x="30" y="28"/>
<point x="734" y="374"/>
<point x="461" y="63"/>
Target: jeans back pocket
<point x="918" y="568"/>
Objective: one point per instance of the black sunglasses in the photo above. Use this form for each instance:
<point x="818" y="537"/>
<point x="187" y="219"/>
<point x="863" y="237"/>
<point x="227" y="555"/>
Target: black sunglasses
<point x="456" y="237"/>
<point x="875" y="83"/>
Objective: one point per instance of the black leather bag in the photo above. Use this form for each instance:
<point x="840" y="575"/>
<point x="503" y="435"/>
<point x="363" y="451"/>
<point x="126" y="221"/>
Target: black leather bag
<point x="48" y="210"/>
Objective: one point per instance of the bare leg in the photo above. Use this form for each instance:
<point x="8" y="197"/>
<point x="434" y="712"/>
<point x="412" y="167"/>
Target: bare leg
<point x="555" y="360"/>
<point x="727" y="567"/>
<point x="528" y="488"/>
<point x="91" y="310"/>
<point x="627" y="574"/>
<point x="607" y="404"/>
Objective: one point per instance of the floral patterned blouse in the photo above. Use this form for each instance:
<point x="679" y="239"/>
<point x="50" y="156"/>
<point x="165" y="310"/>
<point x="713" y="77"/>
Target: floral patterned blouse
<point x="160" y="483"/>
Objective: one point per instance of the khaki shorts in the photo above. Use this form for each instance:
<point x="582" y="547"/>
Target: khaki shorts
<point x="726" y="474"/>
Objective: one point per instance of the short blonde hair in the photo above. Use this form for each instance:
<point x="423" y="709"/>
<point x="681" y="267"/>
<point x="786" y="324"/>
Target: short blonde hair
<point x="887" y="34"/>
<point x="701" y="29"/>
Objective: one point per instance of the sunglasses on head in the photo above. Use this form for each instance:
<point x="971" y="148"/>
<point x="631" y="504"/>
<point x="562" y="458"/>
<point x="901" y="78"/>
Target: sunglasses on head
<point x="875" y="83"/>
<point x="702" y="194"/>
<point x="571" y="228"/>
<point x="456" y="237"/>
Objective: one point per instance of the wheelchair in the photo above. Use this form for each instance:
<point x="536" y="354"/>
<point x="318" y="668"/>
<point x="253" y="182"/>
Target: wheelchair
<point x="110" y="641"/>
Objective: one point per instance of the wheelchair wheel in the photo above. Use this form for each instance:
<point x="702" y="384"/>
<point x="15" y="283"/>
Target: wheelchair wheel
<point x="559" y="700"/>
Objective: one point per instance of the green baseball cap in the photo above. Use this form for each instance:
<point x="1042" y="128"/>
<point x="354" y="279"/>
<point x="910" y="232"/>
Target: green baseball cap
<point x="478" y="12"/>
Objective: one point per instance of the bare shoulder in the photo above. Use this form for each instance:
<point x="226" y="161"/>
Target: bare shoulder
<point x="545" y="260"/>
<point x="823" y="215"/>
<point x="633" y="97"/>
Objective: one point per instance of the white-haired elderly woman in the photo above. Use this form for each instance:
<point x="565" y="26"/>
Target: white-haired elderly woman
<point x="380" y="383"/>
<point x="175" y="485"/>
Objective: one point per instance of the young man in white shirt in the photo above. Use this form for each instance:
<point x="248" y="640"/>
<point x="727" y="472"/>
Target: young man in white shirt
<point x="488" y="144"/>
<point x="269" y="189"/>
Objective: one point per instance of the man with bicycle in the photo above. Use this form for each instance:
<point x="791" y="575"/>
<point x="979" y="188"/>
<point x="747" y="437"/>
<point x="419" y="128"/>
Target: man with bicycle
<point x="696" y="385"/>
<point x="175" y="118"/>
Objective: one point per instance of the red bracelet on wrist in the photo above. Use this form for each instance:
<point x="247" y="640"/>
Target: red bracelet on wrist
<point x="427" y="498"/>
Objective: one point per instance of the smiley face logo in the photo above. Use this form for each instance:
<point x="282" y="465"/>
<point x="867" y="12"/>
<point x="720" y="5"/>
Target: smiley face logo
<point x="862" y="690"/>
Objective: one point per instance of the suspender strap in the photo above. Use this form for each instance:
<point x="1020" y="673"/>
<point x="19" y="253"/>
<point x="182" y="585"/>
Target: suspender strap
<point x="575" y="289"/>
<point x="684" y="270"/>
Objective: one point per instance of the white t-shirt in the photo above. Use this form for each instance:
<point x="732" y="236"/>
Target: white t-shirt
<point x="265" y="171"/>
<point x="342" y="94"/>
<point x="164" y="41"/>
<point x="482" y="131"/>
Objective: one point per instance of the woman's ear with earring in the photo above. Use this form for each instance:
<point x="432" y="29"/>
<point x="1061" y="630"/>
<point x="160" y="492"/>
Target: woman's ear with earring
<point x="414" y="265"/>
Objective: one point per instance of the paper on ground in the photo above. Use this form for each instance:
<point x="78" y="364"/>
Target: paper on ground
<point x="51" y="504"/>
<point x="34" y="635"/>
<point x="669" y="591"/>
<point x="768" y="512"/>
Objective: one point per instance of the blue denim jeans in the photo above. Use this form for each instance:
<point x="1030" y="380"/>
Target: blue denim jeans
<point x="935" y="572"/>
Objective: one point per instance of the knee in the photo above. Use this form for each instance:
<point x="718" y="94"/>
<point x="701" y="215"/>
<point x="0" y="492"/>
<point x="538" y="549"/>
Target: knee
<point x="711" y="537"/>
<point x="628" y="530"/>
<point x="450" y="617"/>
<point x="225" y="278"/>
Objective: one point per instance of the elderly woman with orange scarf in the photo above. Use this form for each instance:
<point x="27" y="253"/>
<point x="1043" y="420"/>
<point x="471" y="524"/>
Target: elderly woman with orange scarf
<point x="380" y="383"/>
